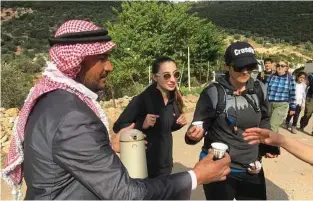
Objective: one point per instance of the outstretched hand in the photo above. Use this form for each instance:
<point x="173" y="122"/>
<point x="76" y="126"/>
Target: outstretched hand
<point x="265" y="136"/>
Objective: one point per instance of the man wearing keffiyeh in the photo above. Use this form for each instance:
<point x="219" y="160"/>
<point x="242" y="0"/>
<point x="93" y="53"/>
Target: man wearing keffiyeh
<point x="60" y="139"/>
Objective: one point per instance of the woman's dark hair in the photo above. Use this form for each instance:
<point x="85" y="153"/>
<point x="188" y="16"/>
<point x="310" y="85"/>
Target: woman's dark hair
<point x="299" y="74"/>
<point x="155" y="69"/>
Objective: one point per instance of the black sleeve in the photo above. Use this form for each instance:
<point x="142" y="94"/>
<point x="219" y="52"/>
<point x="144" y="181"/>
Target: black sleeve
<point x="265" y="123"/>
<point x="176" y="127"/>
<point x="205" y="110"/>
<point x="133" y="113"/>
<point x="81" y="146"/>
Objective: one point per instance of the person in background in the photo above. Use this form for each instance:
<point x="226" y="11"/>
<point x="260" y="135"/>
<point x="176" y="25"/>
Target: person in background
<point x="288" y="67"/>
<point x="157" y="112"/>
<point x="236" y="102"/>
<point x="281" y="90"/>
<point x="262" y="76"/>
<point x="61" y="143"/>
<point x="308" y="104"/>
<point x="268" y="137"/>
<point x="300" y="102"/>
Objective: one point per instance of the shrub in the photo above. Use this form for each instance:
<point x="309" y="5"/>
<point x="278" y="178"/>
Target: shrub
<point x="259" y="40"/>
<point x="237" y="37"/>
<point x="6" y="57"/>
<point x="40" y="61"/>
<point x="15" y="86"/>
<point x="10" y="46"/>
<point x="25" y="65"/>
<point x="194" y="81"/>
<point x="245" y="40"/>
<point x="308" y="46"/>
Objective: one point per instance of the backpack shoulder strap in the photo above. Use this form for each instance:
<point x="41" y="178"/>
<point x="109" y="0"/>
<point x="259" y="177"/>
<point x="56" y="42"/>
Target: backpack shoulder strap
<point x="258" y="90"/>
<point x="221" y="99"/>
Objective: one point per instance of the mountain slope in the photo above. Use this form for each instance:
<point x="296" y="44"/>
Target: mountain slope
<point x="288" y="20"/>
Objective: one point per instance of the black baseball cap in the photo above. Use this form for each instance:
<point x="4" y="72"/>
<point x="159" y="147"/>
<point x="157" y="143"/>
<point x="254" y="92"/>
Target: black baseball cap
<point x="240" y="54"/>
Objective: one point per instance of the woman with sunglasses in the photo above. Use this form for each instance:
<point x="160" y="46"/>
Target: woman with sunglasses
<point x="244" y="106"/>
<point x="157" y="112"/>
<point x="281" y="90"/>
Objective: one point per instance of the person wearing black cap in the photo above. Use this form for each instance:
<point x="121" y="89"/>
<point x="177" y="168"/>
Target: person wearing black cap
<point x="236" y="102"/>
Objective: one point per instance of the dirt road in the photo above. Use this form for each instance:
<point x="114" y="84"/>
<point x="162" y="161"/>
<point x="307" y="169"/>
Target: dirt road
<point x="287" y="177"/>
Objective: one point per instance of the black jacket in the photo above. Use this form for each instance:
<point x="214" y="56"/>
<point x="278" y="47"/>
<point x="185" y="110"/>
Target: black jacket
<point x="68" y="156"/>
<point x="159" y="137"/>
<point x="262" y="76"/>
<point x="237" y="107"/>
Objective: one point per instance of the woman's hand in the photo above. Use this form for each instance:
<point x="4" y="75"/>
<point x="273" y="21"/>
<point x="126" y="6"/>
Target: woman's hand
<point x="181" y="120"/>
<point x="265" y="136"/>
<point x="195" y="133"/>
<point x="150" y="120"/>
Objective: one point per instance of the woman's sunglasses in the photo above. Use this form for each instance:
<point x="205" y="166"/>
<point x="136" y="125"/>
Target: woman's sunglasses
<point x="248" y="68"/>
<point x="281" y="65"/>
<point x="168" y="76"/>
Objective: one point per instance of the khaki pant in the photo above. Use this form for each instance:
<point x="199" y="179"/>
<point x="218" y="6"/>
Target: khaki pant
<point x="278" y="113"/>
<point x="307" y="113"/>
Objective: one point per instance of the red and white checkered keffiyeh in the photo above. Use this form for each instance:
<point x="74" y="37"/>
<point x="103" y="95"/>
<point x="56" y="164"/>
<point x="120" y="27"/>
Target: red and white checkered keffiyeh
<point x="58" y="74"/>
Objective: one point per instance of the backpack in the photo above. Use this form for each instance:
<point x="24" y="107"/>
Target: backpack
<point x="221" y="105"/>
<point x="221" y="93"/>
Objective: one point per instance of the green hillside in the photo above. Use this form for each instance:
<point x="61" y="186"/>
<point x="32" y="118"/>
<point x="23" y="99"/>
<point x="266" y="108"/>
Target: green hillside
<point x="144" y="30"/>
<point x="30" y="31"/>
<point x="290" y="21"/>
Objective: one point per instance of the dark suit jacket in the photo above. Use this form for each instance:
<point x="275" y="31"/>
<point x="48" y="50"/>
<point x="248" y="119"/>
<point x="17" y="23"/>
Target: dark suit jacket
<point x="68" y="156"/>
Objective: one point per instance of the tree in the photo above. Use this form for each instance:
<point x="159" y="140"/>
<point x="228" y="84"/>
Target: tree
<point x="15" y="86"/>
<point x="145" y="30"/>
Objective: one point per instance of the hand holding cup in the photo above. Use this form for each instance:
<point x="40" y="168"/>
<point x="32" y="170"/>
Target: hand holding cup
<point x="219" y="150"/>
<point x="207" y="170"/>
<point x="196" y="131"/>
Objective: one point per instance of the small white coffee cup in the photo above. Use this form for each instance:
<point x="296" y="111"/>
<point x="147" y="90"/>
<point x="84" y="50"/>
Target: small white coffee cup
<point x="219" y="149"/>
<point x="198" y="124"/>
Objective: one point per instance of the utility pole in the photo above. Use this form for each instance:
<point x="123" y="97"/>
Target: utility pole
<point x="188" y="70"/>
<point x="182" y="73"/>
<point x="149" y="75"/>
<point x="207" y="74"/>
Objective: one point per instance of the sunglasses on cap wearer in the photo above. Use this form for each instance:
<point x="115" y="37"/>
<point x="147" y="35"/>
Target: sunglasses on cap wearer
<point x="245" y="68"/>
<point x="281" y="65"/>
<point x="168" y="76"/>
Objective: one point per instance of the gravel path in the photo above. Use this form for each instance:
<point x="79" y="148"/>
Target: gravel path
<point x="287" y="177"/>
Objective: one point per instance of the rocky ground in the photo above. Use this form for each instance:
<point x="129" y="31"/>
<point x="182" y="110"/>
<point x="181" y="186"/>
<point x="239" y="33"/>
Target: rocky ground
<point x="287" y="177"/>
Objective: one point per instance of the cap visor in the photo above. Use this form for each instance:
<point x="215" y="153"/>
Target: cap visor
<point x="245" y="61"/>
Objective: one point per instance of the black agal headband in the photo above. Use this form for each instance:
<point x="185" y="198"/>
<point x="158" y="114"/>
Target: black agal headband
<point x="81" y="37"/>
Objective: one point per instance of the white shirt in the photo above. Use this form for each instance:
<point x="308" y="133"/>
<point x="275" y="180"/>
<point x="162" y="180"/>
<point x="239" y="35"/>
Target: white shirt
<point x="300" y="93"/>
